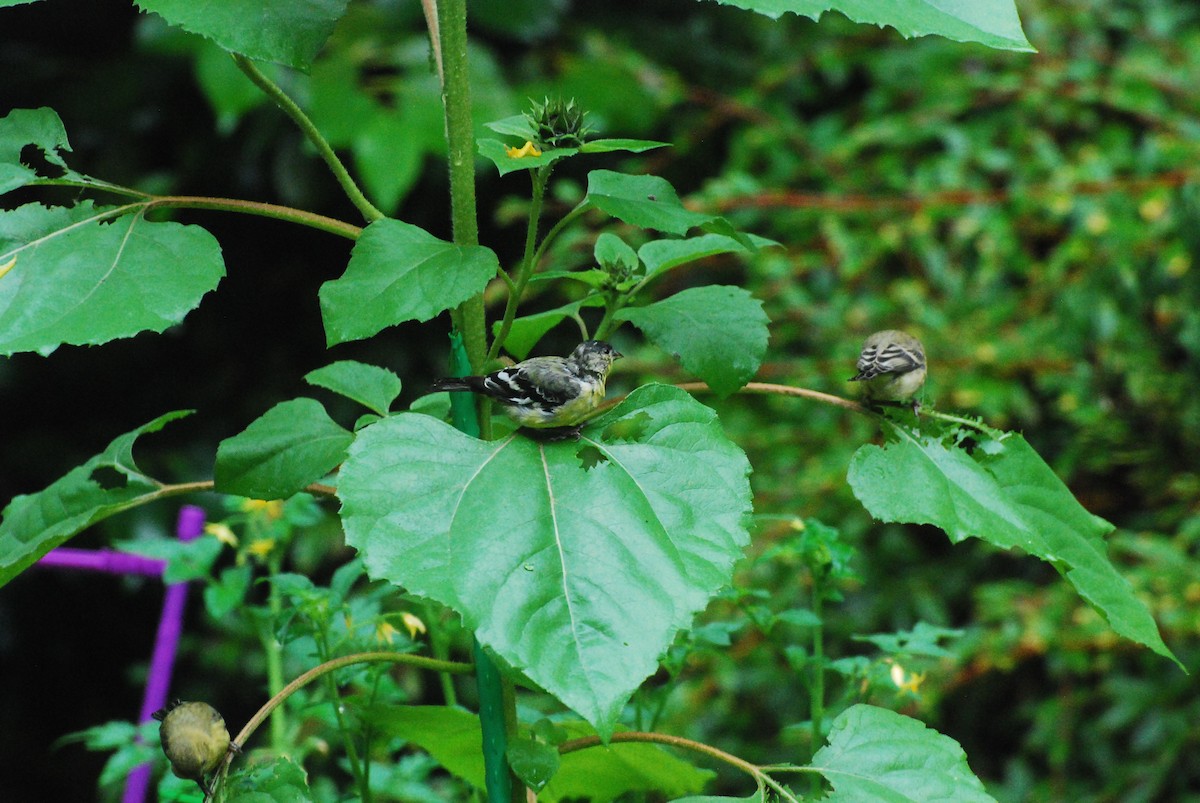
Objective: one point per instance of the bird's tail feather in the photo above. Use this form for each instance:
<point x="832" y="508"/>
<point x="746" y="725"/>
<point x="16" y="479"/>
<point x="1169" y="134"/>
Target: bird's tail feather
<point x="468" y="383"/>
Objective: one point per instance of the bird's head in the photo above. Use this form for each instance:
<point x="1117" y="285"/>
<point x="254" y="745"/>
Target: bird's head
<point x="594" y="357"/>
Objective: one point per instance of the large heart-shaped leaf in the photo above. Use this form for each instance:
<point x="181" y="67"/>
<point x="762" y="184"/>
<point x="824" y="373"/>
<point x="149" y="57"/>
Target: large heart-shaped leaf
<point x="576" y="562"/>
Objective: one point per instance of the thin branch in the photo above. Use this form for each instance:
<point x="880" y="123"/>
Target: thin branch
<point x="292" y="110"/>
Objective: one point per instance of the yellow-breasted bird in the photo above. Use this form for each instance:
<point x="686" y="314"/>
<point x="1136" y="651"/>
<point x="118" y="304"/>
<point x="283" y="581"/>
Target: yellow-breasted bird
<point x="546" y="393"/>
<point x="891" y="367"/>
<point x="194" y="738"/>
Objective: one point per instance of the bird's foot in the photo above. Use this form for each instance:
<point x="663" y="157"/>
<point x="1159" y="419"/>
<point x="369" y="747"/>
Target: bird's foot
<point x="552" y="434"/>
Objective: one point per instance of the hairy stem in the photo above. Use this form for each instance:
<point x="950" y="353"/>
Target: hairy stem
<point x="539" y="178"/>
<point x="289" y="107"/>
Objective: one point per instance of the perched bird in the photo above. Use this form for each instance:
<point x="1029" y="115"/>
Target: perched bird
<point x="194" y="738"/>
<point x="891" y="367"/>
<point x="546" y="393"/>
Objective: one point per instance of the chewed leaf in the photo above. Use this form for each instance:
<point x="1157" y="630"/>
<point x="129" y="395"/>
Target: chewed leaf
<point x="33" y="524"/>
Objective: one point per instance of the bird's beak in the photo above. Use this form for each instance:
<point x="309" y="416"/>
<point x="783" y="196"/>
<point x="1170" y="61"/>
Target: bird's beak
<point x="617" y="355"/>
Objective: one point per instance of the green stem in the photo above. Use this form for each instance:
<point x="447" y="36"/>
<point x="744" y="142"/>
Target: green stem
<point x="331" y="688"/>
<point x="756" y="772"/>
<point x="539" y="177"/>
<point x="147" y="202"/>
<point x="318" y="672"/>
<point x="816" y="691"/>
<point x="274" y="651"/>
<point x="470" y="323"/>
<point x="469" y="317"/>
<point x="272" y="90"/>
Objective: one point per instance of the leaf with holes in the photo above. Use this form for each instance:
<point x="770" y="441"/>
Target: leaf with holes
<point x="33" y="524"/>
<point x="576" y="562"/>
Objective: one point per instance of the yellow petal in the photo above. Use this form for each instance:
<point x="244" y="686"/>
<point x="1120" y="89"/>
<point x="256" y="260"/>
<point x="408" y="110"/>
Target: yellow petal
<point x="528" y="149"/>
<point x="413" y="624"/>
<point x="222" y="533"/>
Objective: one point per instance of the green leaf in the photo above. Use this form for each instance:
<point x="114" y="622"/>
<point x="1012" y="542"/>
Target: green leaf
<point x="497" y="151"/>
<point x="599" y="774"/>
<point x="399" y="272"/>
<point x="276" y="781"/>
<point x="82" y="281"/>
<point x="41" y="128"/>
<point x="283" y="31"/>
<point x="629" y="145"/>
<point x="293" y="444"/>
<point x="186" y="560"/>
<point x="876" y="754"/>
<point x="990" y="22"/>
<point x="526" y="331"/>
<point x="922" y="640"/>
<point x="534" y="762"/>
<point x="662" y="255"/>
<point x="229" y="593"/>
<point x="648" y="202"/>
<point x="388" y="157"/>
<point x="33" y="524"/>
<point x="613" y="252"/>
<point x="1004" y="493"/>
<point x="371" y="386"/>
<point x="576" y="562"/>
<point x="757" y="797"/>
<point x="516" y="126"/>
<point x="718" y="333"/>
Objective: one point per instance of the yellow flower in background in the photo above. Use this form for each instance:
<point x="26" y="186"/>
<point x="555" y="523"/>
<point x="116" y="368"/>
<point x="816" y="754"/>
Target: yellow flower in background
<point x="385" y="633"/>
<point x="528" y="149"/>
<point x="221" y="532"/>
<point x="262" y="547"/>
<point x="271" y="509"/>
<point x="413" y="624"/>
<point x="907" y="681"/>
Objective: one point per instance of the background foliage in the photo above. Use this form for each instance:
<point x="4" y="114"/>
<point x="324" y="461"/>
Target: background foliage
<point x="1032" y="217"/>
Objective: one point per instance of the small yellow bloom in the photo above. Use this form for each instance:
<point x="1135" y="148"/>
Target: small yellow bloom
<point x="1097" y="223"/>
<point x="272" y="509"/>
<point x="413" y="624"/>
<point x="1152" y="209"/>
<point x="385" y="633"/>
<point x="906" y="681"/>
<point x="221" y="532"/>
<point x="262" y="547"/>
<point x="7" y="266"/>
<point x="1178" y="265"/>
<point x="528" y="149"/>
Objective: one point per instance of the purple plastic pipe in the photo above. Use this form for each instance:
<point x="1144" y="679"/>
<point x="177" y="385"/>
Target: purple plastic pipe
<point x="103" y="560"/>
<point x="189" y="527"/>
